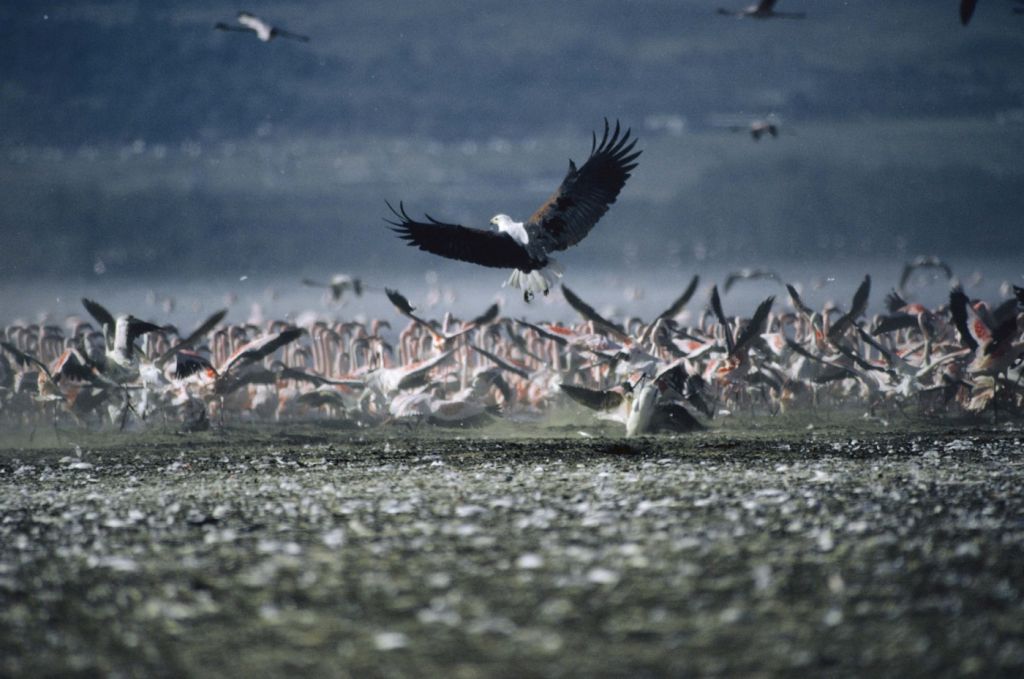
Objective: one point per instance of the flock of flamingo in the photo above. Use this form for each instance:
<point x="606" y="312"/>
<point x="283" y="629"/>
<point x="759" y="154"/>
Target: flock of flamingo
<point x="674" y="373"/>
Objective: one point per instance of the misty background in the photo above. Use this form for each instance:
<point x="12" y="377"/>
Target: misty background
<point x="138" y="143"/>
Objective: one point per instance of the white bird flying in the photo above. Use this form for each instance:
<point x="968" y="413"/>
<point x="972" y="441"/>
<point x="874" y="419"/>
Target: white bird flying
<point x="264" y="31"/>
<point x="565" y="219"/>
<point x="765" y="9"/>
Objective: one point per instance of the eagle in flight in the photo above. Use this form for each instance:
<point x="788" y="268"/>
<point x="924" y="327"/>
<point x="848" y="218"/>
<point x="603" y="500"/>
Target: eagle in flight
<point x="563" y="220"/>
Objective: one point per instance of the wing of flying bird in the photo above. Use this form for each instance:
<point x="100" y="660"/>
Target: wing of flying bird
<point x="716" y="306"/>
<point x="501" y="363"/>
<point x="254" y="23"/>
<point x="137" y="328"/>
<point x="897" y="321"/>
<point x="958" y="310"/>
<point x="188" y="363"/>
<point x="262" y="347"/>
<point x="1001" y="335"/>
<point x="794" y="296"/>
<point x="287" y="373"/>
<point x="594" y="399"/>
<point x="486" y="317"/>
<point x="546" y="334"/>
<point x="590" y="314"/>
<point x="24" y="359"/>
<point x="1005" y="309"/>
<point x="418" y="371"/>
<point x="401" y="303"/>
<point x="681" y="301"/>
<point x="675" y="418"/>
<point x="755" y="327"/>
<point x="857" y="307"/>
<point x="100" y="313"/>
<point x="486" y="248"/>
<point x="967" y="10"/>
<point x="198" y="333"/>
<point x="894" y="302"/>
<point x="585" y="193"/>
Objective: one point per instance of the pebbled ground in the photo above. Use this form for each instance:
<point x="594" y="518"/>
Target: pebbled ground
<point x="755" y="550"/>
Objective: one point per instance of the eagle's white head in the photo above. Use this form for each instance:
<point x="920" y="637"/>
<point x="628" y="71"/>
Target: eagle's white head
<point x="513" y="228"/>
<point x="503" y="222"/>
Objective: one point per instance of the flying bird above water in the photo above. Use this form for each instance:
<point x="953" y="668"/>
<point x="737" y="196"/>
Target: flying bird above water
<point x="762" y="10"/>
<point x="757" y="128"/>
<point x="583" y="197"/>
<point x="967" y="10"/>
<point x="250" y="23"/>
<point x="923" y="262"/>
<point x="749" y="275"/>
<point x="338" y="285"/>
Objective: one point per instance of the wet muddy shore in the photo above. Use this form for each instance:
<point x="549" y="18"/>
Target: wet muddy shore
<point x="843" y="548"/>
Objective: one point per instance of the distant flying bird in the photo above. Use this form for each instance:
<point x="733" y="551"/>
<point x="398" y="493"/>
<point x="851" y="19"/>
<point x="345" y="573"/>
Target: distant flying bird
<point x="583" y="197"/>
<point x="340" y="284"/>
<point x="762" y="10"/>
<point x="923" y="262"/>
<point x="758" y="128"/>
<point x="680" y="302"/>
<point x="967" y="10"/>
<point x="251" y="23"/>
<point x="749" y="275"/>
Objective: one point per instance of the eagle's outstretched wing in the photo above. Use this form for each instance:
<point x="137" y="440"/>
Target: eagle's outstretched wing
<point x="486" y="248"/>
<point x="586" y="193"/>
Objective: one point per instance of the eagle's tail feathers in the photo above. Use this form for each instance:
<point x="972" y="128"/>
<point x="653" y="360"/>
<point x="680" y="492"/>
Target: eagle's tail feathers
<point x="538" y="280"/>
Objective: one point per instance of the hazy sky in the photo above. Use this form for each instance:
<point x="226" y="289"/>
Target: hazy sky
<point x="137" y="137"/>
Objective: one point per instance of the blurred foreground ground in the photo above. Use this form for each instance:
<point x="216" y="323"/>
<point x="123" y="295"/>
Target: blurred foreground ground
<point x="760" y="549"/>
